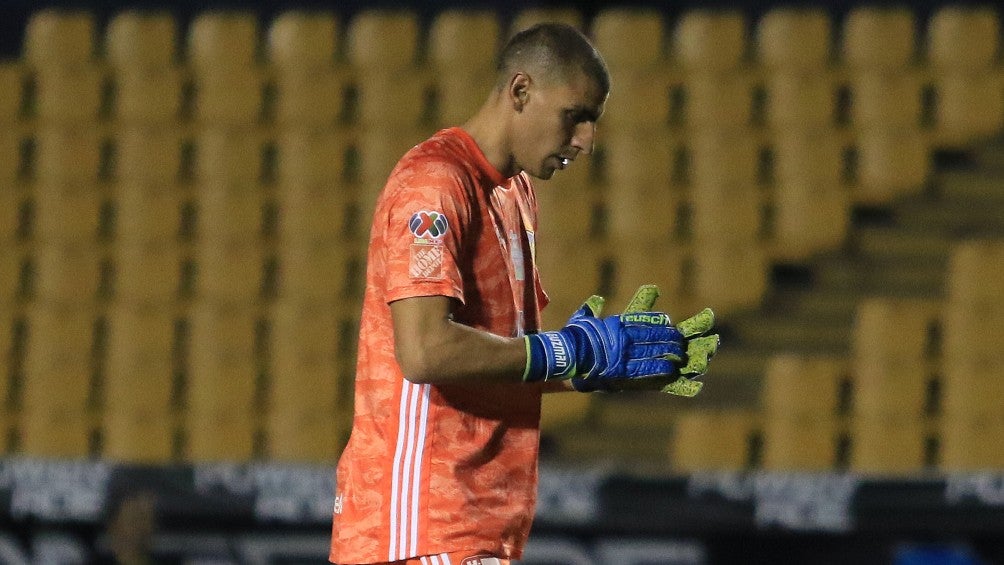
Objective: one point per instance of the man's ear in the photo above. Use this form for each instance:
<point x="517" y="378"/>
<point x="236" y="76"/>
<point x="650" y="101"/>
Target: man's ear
<point x="519" y="90"/>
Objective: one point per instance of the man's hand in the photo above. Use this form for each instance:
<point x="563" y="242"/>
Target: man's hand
<point x="594" y="351"/>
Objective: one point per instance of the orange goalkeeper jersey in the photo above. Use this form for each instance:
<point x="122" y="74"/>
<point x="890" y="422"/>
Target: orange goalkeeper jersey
<point x="434" y="469"/>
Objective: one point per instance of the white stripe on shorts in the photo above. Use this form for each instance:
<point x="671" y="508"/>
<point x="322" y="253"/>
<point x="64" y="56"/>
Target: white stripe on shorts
<point x="406" y="479"/>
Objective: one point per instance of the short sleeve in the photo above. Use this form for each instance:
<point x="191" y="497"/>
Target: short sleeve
<point x="426" y="219"/>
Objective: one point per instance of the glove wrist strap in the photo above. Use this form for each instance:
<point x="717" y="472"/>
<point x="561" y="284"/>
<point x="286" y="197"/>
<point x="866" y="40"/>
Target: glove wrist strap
<point x="549" y="355"/>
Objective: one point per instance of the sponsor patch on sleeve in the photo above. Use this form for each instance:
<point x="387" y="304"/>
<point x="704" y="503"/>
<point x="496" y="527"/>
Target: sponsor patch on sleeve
<point x="426" y="261"/>
<point x="428" y="225"/>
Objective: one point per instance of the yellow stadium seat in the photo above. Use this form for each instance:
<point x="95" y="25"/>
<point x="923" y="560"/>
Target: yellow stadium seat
<point x="888" y="446"/>
<point x="314" y="272"/>
<point x="222" y="368"/>
<point x="799" y="444"/>
<point x="634" y="263"/>
<point x="222" y="42"/>
<point x="612" y="27"/>
<point x="383" y="40"/>
<point x="716" y="268"/>
<point x="971" y="384"/>
<point x="968" y="108"/>
<point x="391" y="101"/>
<point x="148" y="99"/>
<point x="800" y="101"/>
<point x="642" y="104"/>
<point x="12" y="79"/>
<point x="963" y="38"/>
<point x="569" y="288"/>
<point x="641" y="212"/>
<point x="809" y="217"/>
<point x="226" y="435"/>
<point x="146" y="214"/>
<point x="808" y="156"/>
<point x="148" y="157"/>
<point x="141" y="41"/>
<point x="529" y="17"/>
<point x="879" y="38"/>
<point x="139" y="371"/>
<point x="710" y="41"/>
<point x="67" y="273"/>
<point x="724" y="158"/>
<point x="717" y="101"/>
<point x="976" y="272"/>
<point x="803" y="386"/>
<point x="231" y="99"/>
<point x="71" y="96"/>
<point x="894" y="331"/>
<point x="464" y="39"/>
<point x="59" y="38"/>
<point x="712" y="440"/>
<point x="726" y="214"/>
<point x="311" y="159"/>
<point x="70" y="215"/>
<point x="890" y="164"/>
<point x="304" y="357"/>
<point x="314" y="216"/>
<point x="229" y="272"/>
<point x="59" y="359"/>
<point x="304" y="436"/>
<point x="794" y="39"/>
<point x="60" y="434"/>
<point x="891" y="389"/>
<point x="11" y="157"/>
<point x="568" y="213"/>
<point x="972" y="443"/>
<point x="644" y="161"/>
<point x="560" y="410"/>
<point x="378" y="152"/>
<point x="142" y="439"/>
<point x="227" y="157"/>
<point x="301" y="41"/>
<point x="229" y="214"/>
<point x="67" y="157"/>
<point x="147" y="273"/>
<point x="886" y="101"/>
<point x="312" y="100"/>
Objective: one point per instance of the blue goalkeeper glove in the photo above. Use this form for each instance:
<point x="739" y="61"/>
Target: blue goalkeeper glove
<point x="593" y="351"/>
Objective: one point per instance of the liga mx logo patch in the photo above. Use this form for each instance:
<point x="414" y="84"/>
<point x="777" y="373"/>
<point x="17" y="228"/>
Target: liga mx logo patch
<point x="428" y="224"/>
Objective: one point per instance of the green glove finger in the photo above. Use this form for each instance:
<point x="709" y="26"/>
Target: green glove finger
<point x="595" y="305"/>
<point x="643" y="300"/>
<point x="683" y="387"/>
<point x="697" y="324"/>
<point x="700" y="350"/>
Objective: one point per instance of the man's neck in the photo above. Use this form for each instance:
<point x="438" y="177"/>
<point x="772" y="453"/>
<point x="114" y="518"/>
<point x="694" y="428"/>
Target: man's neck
<point x="492" y="138"/>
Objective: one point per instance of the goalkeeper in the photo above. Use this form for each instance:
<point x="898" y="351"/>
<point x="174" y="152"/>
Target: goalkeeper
<point x="441" y="465"/>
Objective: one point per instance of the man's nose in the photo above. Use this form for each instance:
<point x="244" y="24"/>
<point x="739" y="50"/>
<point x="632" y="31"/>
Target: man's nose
<point x="583" y="137"/>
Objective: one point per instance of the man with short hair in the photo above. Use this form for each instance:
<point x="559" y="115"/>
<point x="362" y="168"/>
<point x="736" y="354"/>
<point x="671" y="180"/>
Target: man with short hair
<point x="441" y="466"/>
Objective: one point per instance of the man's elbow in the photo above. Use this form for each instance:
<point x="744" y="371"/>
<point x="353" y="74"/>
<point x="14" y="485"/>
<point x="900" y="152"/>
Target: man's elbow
<point x="417" y="367"/>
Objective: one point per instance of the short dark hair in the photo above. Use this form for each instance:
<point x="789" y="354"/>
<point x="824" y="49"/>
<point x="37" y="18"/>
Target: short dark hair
<point x="557" y="49"/>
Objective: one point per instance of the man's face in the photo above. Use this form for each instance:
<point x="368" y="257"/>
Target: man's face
<point x="557" y="124"/>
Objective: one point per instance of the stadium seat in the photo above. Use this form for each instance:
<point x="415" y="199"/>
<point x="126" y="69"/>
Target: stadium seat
<point x="810" y="156"/>
<point x="890" y="164"/>
<point x="222" y="42"/>
<point x="148" y="273"/>
<point x="314" y="100"/>
<point x="148" y="157"/>
<point x="809" y="218"/>
<point x="800" y="102"/>
<point x="879" y="38"/>
<point x="888" y="446"/>
<point x="314" y="272"/>
<point x="889" y="100"/>
<point x="794" y="39"/>
<point x="314" y="216"/>
<point x="222" y="367"/>
<point x="230" y="100"/>
<point x="56" y="434"/>
<point x="646" y="261"/>
<point x="59" y="38"/>
<point x="149" y="99"/>
<point x="137" y="439"/>
<point x="311" y="159"/>
<point x="67" y="273"/>
<point x="67" y="215"/>
<point x="141" y="42"/>
<point x="716" y="268"/>
<point x="303" y="42"/>
<point x="59" y="360"/>
<point x="229" y="214"/>
<point x="383" y="40"/>
<point x="226" y="435"/>
<point x="146" y="214"/>
<point x="636" y="161"/>
<point x="304" y="436"/>
<point x="645" y="28"/>
<point x="710" y="41"/>
<point x="139" y="370"/>
<point x="968" y="109"/>
<point x="229" y="272"/>
<point x="641" y="212"/>
<point x="231" y="158"/>
<point x="803" y="386"/>
<point x="726" y="214"/>
<point x="304" y="342"/>
<point x="560" y="410"/>
<point x="528" y="17"/>
<point x="800" y="444"/>
<point x="391" y="101"/>
<point x="69" y="96"/>
<point x="717" y="101"/>
<point x="724" y="159"/>
<point x="971" y="443"/>
<point x="693" y="449"/>
<point x="463" y="39"/>
<point x="556" y="197"/>
<point x="12" y="79"/>
<point x="963" y="38"/>
<point x="67" y="157"/>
